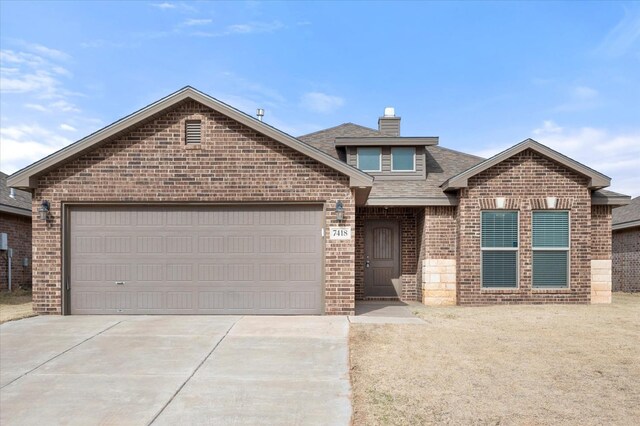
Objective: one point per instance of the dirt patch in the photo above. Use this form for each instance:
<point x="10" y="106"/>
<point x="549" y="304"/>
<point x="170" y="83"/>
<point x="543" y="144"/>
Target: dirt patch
<point x="15" y="305"/>
<point x="524" y="365"/>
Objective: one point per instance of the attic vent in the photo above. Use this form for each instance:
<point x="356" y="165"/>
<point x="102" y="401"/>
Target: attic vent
<point x="193" y="131"/>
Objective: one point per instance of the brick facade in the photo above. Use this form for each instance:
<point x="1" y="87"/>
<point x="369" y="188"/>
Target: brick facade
<point x="437" y="244"/>
<point x="408" y="256"/>
<point x="152" y="164"/>
<point x="525" y="180"/>
<point x="18" y="230"/>
<point x="626" y="260"/>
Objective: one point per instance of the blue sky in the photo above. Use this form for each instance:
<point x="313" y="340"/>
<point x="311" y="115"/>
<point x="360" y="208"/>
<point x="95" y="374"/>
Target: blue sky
<point x="482" y="76"/>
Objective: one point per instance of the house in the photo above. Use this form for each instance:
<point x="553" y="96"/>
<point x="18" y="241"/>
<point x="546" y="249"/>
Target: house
<point x="626" y="247"/>
<point x="191" y="206"/>
<point x="15" y="222"/>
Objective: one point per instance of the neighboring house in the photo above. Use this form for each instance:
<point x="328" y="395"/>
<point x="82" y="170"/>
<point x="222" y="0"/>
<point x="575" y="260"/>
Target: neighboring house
<point x="626" y="247"/>
<point x="191" y="206"/>
<point x="15" y="221"/>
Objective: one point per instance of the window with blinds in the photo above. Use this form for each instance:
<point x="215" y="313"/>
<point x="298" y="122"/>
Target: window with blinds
<point x="499" y="235"/>
<point x="550" y="244"/>
<point x="193" y="131"/>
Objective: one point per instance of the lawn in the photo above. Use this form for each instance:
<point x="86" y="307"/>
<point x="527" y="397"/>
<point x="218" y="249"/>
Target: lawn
<point x="15" y="305"/>
<point x="521" y="365"/>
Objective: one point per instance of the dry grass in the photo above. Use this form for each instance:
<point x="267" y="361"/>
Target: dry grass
<point x="15" y="305"/>
<point x="523" y="365"/>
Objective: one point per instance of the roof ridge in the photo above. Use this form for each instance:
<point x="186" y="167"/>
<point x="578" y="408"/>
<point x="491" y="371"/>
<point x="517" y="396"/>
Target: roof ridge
<point x="335" y="127"/>
<point x="457" y="151"/>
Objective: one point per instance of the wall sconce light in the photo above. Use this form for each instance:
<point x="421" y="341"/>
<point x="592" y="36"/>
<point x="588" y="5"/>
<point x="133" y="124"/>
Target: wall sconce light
<point x="500" y="202"/>
<point x="551" y="202"/>
<point x="43" y="210"/>
<point x="339" y="211"/>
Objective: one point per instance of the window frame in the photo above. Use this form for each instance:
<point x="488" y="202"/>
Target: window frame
<point x="516" y="249"/>
<point x="379" y="149"/>
<point x="413" y="169"/>
<point x="186" y="126"/>
<point x="542" y="249"/>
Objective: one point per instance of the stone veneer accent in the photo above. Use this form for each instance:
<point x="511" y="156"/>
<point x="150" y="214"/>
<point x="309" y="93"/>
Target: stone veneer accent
<point x="439" y="281"/>
<point x="600" y="281"/>
<point x="18" y="229"/>
<point x="626" y="260"/>
<point x="407" y="218"/>
<point x="437" y="255"/>
<point x="152" y="164"/>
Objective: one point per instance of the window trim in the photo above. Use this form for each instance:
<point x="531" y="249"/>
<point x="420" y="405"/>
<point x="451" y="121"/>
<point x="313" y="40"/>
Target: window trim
<point x="516" y="249"/>
<point x="414" y="159"/>
<point x="565" y="249"/>
<point x="379" y="149"/>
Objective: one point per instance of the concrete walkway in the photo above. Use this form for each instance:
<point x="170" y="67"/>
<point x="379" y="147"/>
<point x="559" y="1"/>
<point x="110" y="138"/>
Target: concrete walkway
<point x="175" y="370"/>
<point x="368" y="312"/>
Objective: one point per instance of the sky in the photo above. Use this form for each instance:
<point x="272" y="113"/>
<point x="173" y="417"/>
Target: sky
<point x="481" y="76"/>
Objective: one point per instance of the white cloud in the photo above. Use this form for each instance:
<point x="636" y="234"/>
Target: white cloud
<point x="23" y="144"/>
<point x="616" y="154"/>
<point x="624" y="37"/>
<point x="243" y="29"/>
<point x="67" y="127"/>
<point x="64" y="106"/>
<point x="580" y="98"/>
<point x="165" y="5"/>
<point x="182" y="7"/>
<point x="196" y="22"/>
<point x="584" y="93"/>
<point x="36" y="107"/>
<point x="47" y="51"/>
<point x="321" y="102"/>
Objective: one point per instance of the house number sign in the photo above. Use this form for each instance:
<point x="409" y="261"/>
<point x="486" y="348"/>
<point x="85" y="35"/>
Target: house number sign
<point x="340" y="233"/>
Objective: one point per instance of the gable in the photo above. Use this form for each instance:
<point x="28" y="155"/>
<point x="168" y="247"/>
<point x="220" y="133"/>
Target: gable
<point x="27" y="177"/>
<point x="152" y="163"/>
<point x="596" y="180"/>
<point x="528" y="172"/>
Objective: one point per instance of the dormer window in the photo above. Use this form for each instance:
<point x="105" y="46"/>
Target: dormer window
<point x="369" y="159"/>
<point x="403" y="159"/>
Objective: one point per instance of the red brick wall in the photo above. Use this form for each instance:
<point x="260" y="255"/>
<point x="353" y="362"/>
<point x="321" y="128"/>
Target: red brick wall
<point x="525" y="180"/>
<point x="437" y="237"/>
<point x="233" y="164"/>
<point x="18" y="230"/>
<point x="601" y="232"/>
<point x="408" y="265"/>
<point x="626" y="260"/>
<point x="439" y="232"/>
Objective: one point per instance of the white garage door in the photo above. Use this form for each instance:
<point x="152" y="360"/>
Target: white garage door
<point x="196" y="260"/>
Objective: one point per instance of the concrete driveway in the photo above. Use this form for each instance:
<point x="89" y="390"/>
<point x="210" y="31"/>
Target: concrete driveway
<point x="169" y="370"/>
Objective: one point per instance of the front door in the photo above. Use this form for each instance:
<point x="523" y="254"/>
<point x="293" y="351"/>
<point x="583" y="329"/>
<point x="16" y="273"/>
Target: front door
<point x="382" y="258"/>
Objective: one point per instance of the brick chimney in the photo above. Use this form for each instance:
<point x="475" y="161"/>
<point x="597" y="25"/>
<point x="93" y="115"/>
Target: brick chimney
<point x="389" y="124"/>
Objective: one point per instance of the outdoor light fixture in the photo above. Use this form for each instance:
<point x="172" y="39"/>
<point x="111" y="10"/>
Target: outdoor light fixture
<point x="339" y="211"/>
<point x="43" y="210"/>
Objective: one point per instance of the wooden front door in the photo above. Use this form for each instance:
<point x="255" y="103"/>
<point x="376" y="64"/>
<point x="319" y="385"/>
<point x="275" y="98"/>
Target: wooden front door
<point x="382" y="258"/>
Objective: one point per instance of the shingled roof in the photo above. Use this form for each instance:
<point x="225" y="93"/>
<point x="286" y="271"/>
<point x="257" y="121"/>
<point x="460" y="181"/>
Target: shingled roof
<point x="20" y="205"/>
<point x="627" y="216"/>
<point x="324" y="140"/>
<point x="441" y="164"/>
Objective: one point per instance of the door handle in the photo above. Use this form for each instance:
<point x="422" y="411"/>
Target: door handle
<point x="119" y="282"/>
<point x="367" y="264"/>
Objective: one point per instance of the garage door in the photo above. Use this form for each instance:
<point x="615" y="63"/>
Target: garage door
<point x="196" y="260"/>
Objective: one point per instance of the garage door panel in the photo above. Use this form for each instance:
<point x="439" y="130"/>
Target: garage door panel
<point x="197" y="260"/>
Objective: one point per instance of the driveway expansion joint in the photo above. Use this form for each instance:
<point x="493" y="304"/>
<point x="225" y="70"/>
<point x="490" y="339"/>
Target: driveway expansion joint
<point x="61" y="353"/>
<point x="194" y="372"/>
